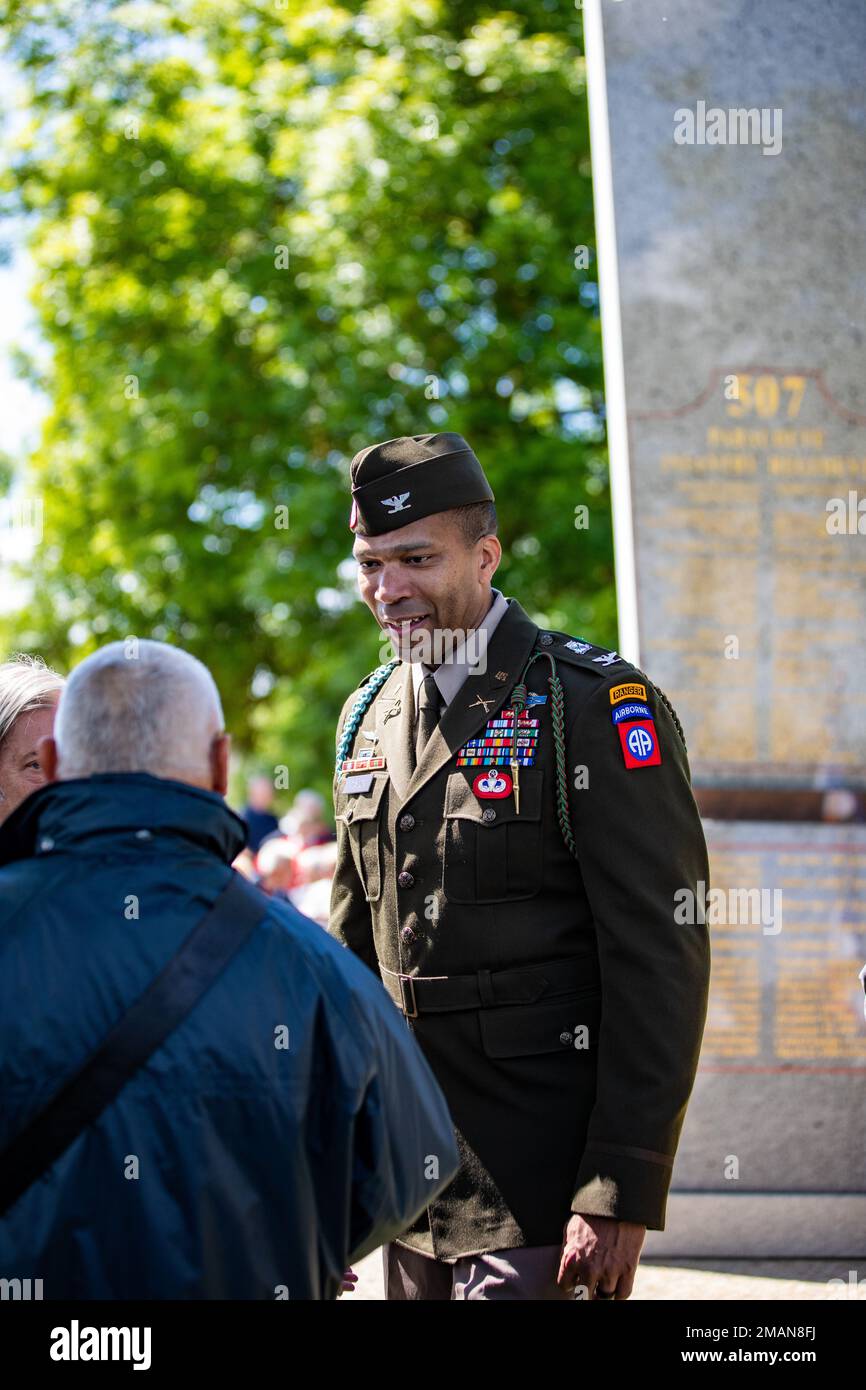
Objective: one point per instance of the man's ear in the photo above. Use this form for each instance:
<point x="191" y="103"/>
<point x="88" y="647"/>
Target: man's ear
<point x="491" y="554"/>
<point x="219" y="763"/>
<point x="46" y="752"/>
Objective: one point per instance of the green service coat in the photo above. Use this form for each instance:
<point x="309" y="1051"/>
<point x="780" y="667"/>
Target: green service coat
<point x="573" y="1099"/>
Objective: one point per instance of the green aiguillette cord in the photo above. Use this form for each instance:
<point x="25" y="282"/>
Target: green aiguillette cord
<point x="519" y="699"/>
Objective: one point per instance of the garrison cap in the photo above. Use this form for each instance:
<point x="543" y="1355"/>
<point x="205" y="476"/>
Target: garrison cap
<point x="401" y="480"/>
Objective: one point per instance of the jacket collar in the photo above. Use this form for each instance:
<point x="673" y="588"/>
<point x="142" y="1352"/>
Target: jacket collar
<point x="449" y="677"/>
<point x="479" y="699"/>
<point x="67" y="815"/>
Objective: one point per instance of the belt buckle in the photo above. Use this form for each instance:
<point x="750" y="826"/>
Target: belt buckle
<point x="413" y="1013"/>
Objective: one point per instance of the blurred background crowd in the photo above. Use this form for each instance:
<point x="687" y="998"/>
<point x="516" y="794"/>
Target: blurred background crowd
<point x="291" y="856"/>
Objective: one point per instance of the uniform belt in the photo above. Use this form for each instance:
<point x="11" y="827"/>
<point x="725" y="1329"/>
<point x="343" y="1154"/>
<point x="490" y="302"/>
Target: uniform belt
<point x="436" y="994"/>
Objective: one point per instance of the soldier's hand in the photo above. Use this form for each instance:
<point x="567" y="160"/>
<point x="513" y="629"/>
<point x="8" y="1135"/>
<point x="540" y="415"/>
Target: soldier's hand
<point x="601" y="1255"/>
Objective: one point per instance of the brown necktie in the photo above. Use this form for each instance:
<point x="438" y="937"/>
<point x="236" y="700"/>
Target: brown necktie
<point x="428" y="715"/>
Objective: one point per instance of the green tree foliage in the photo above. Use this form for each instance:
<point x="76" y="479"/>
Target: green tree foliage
<point x="266" y="235"/>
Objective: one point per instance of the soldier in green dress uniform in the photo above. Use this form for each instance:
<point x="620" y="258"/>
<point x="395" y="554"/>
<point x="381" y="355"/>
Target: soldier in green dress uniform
<point x="516" y="827"/>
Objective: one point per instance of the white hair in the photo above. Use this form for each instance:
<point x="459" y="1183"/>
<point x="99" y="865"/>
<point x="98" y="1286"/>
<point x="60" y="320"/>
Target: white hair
<point x="138" y="706"/>
<point x="273" y="853"/>
<point x="26" y="684"/>
<point x="308" y="806"/>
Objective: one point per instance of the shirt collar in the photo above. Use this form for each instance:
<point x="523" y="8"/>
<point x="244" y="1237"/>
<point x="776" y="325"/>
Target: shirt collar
<point x="451" y="675"/>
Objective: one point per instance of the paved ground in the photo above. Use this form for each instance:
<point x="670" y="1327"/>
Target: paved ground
<point x="746" y="1280"/>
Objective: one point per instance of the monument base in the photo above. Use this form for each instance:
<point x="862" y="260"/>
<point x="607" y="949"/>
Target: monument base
<point x="762" y="1225"/>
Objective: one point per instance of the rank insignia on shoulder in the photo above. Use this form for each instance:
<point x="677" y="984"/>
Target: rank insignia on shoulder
<point x="608" y="658"/>
<point x="640" y="744"/>
<point x="632" y="691"/>
<point x="580" y="647"/>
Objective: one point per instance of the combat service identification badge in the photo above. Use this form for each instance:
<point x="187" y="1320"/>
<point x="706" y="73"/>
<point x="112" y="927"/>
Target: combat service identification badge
<point x="640" y="744"/>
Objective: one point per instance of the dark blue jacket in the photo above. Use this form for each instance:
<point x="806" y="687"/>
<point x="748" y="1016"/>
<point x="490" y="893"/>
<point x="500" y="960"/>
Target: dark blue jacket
<point x="228" y="1167"/>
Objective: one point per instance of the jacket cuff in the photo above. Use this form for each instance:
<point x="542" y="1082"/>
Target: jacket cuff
<point x="626" y="1183"/>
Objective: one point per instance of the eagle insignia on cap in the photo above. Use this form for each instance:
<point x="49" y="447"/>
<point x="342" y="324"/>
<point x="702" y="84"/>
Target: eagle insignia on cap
<point x="397" y="503"/>
<point x="441" y="471"/>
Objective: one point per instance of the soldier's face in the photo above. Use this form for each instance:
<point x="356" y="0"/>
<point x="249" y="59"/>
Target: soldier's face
<point x="425" y="579"/>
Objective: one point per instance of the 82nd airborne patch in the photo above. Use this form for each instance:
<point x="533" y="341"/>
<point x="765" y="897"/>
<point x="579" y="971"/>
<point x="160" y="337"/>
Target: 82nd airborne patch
<point x="640" y="743"/>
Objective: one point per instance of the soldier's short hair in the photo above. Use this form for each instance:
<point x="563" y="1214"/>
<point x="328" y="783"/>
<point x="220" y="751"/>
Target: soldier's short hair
<point x="476" y="519"/>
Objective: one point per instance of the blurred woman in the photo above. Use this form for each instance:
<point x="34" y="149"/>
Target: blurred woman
<point x="29" y="691"/>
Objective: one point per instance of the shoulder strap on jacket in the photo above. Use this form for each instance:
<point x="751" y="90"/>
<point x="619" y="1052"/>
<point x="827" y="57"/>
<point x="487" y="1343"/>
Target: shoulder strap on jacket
<point x="166" y="1002"/>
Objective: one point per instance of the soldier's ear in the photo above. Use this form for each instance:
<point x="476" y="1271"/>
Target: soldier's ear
<point x="490" y="554"/>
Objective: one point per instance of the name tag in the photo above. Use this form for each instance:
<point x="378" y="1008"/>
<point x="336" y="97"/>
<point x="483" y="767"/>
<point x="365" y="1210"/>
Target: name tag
<point x="361" y="783"/>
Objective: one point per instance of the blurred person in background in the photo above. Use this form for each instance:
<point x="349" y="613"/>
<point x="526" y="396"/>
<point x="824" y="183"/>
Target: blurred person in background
<point x="306" y="821"/>
<point x="29" y="691"/>
<point x="282" y="1123"/>
<point x="275" y="866"/>
<point x="300" y="875"/>
<point x="259" y="811"/>
<point x="314" y="869"/>
<point x="245" y="863"/>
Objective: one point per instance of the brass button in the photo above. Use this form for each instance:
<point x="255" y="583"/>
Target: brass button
<point x="407" y="822"/>
<point x="488" y="815"/>
<point x="405" y="879"/>
<point x="566" y="1038"/>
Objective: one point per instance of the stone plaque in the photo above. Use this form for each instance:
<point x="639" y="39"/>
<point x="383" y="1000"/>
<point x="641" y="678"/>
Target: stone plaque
<point x="779" y="1105"/>
<point x="751" y="575"/>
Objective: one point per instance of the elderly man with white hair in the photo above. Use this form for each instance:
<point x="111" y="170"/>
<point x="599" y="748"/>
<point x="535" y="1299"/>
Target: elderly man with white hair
<point x="204" y="1096"/>
<point x="29" y="691"/>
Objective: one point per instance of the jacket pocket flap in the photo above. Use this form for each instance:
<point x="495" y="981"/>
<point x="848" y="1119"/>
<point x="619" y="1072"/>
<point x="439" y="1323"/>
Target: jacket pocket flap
<point x="523" y="1030"/>
<point x="461" y="803"/>
<point x="362" y="805"/>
